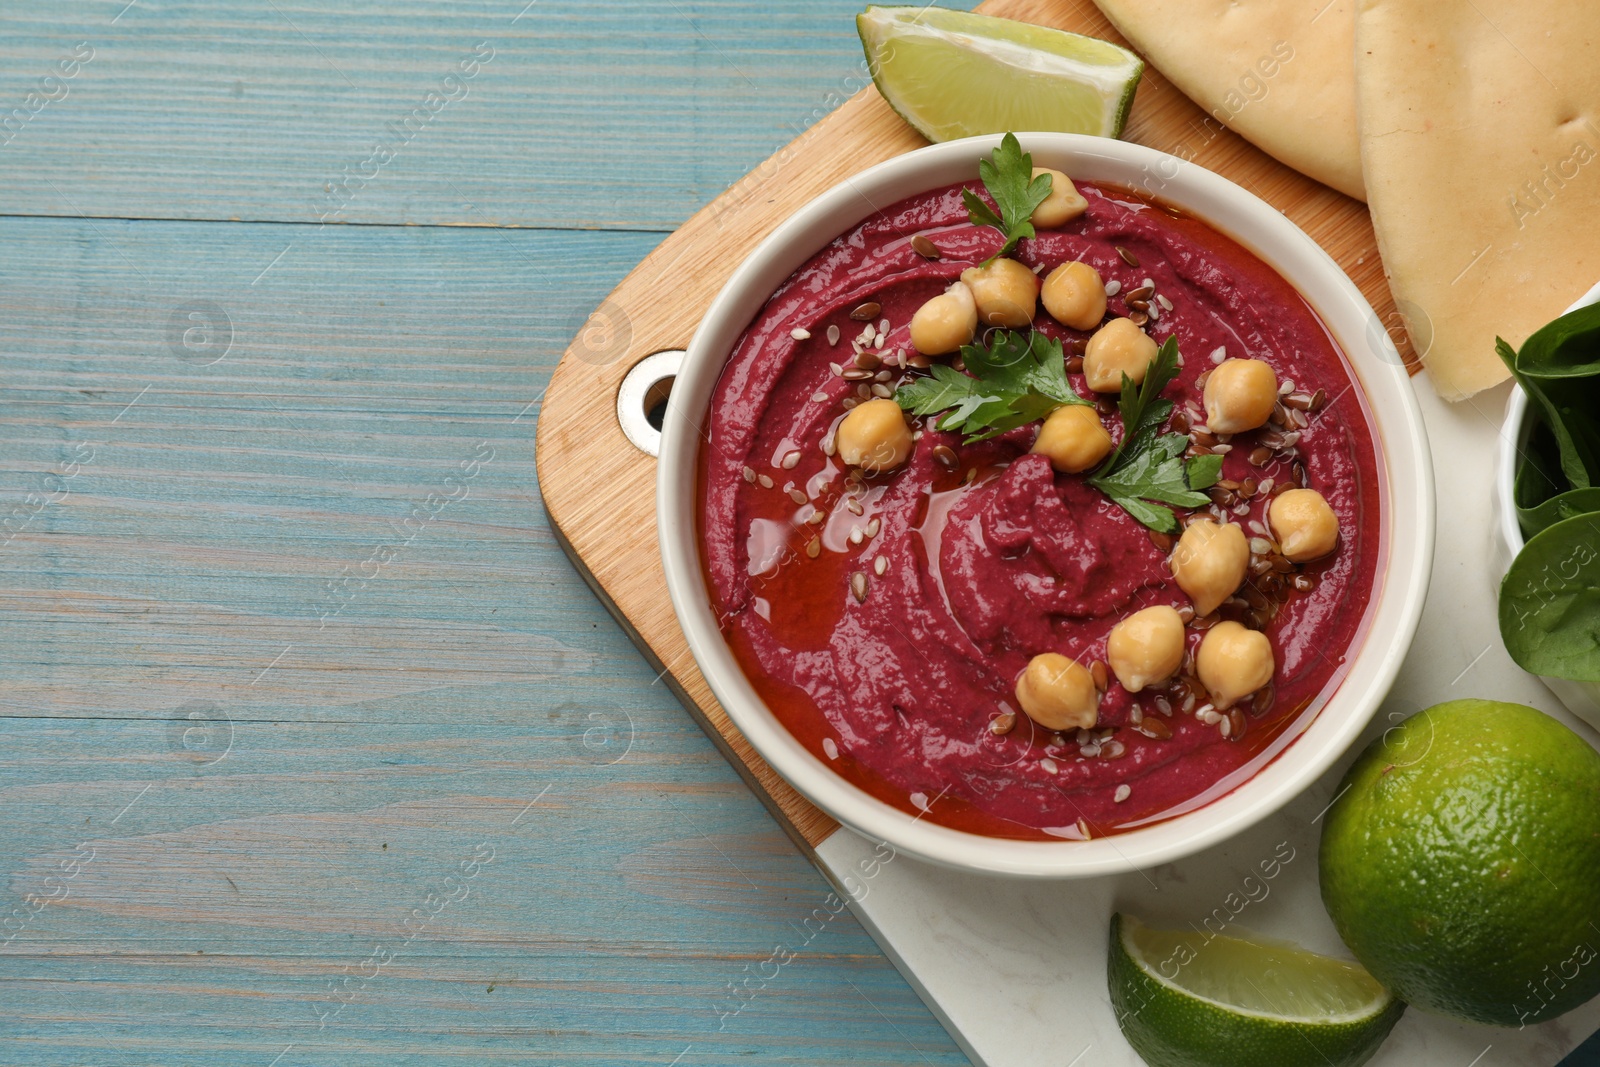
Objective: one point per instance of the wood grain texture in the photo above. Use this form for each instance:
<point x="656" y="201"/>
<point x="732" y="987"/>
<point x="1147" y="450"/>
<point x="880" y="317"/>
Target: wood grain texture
<point x="612" y="114"/>
<point x="599" y="490"/>
<point x="269" y="779"/>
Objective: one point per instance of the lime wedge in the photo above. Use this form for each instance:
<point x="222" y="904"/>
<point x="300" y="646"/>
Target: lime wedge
<point x="1186" y="998"/>
<point x="955" y="74"/>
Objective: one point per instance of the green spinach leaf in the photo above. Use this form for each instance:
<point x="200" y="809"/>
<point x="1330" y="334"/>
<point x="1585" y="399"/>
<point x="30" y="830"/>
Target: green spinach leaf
<point x="1550" y="601"/>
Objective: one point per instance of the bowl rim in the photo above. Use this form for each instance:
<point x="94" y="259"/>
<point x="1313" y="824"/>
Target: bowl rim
<point x="1405" y="469"/>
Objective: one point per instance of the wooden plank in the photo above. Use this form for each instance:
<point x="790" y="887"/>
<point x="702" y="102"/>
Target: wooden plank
<point x="176" y="702"/>
<point x="600" y="492"/>
<point x="230" y="911"/>
<point x="601" y="113"/>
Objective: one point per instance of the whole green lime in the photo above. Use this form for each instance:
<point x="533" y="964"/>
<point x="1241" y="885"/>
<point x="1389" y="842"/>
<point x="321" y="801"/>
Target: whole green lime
<point x="1461" y="863"/>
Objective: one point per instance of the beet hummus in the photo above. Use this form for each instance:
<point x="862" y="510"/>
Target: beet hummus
<point x="886" y="617"/>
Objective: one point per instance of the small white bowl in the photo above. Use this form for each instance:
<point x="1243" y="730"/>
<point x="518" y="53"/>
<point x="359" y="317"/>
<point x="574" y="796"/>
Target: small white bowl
<point x="1406" y="474"/>
<point x="1581" y="698"/>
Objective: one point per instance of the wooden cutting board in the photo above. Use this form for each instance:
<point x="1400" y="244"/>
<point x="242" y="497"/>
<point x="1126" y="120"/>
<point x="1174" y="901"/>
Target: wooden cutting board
<point x="600" y="490"/>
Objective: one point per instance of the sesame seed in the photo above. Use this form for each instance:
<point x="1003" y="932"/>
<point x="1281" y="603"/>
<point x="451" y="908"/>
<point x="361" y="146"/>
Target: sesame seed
<point x="836" y="369"/>
<point x="1048" y="765"/>
<point x="1287" y="387"/>
<point x="1123" y="793"/>
<point x="1221" y="450"/>
<point x="1219" y="354"/>
<point x="749" y="474"/>
<point x="828" y="447"/>
<point x="858" y="587"/>
<point x="873" y="527"/>
<point x="833" y="335"/>
<point x="791" y="460"/>
<point x="797" y="496"/>
<point x="819" y="397"/>
<point x="814" y="547"/>
<point x="799" y="334"/>
<point x="880" y="565"/>
<point x="1113" y="287"/>
<point x="883" y="326"/>
<point x="766" y="483"/>
<point x="1166" y="304"/>
<point x="830" y="748"/>
<point x="881" y="390"/>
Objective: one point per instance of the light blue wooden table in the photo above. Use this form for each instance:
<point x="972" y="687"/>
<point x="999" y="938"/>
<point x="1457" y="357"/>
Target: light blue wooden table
<point x="316" y="750"/>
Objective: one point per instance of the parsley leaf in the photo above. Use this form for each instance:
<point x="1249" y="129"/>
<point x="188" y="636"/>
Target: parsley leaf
<point x="1147" y="469"/>
<point x="1008" y="176"/>
<point x="1016" y="380"/>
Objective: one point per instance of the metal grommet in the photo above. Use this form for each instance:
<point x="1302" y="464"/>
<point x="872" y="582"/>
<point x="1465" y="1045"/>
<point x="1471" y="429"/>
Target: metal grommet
<point x="642" y="400"/>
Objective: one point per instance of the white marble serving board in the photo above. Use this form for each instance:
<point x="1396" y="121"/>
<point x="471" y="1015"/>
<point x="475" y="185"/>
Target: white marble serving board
<point x="1016" y="970"/>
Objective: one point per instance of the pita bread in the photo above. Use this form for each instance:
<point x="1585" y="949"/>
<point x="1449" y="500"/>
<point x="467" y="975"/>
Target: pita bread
<point x="1277" y="72"/>
<point x="1482" y="157"/>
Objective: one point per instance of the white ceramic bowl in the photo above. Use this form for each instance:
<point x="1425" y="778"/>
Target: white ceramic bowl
<point x="1581" y="698"/>
<point x="1407" y="490"/>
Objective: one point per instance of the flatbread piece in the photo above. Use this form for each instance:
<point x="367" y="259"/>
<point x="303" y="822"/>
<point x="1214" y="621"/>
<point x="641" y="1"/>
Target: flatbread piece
<point x="1277" y="72"/>
<point x="1481" y="153"/>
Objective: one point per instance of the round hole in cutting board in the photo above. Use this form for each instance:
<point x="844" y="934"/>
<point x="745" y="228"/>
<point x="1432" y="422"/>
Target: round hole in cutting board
<point x="642" y="399"/>
<point x="655" y="402"/>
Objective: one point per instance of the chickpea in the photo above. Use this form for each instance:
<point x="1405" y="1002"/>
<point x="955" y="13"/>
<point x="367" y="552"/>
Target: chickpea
<point x="1240" y="395"/>
<point x="1117" y="348"/>
<point x="1058" y="693"/>
<point x="1075" y="295"/>
<point x="1146" y="647"/>
<point x="1073" y="439"/>
<point x="946" y="322"/>
<point x="1007" y="293"/>
<point x="1233" y="662"/>
<point x="1210" y="562"/>
<point x="874" y="436"/>
<point x="1063" y="204"/>
<point x="1304" y="524"/>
